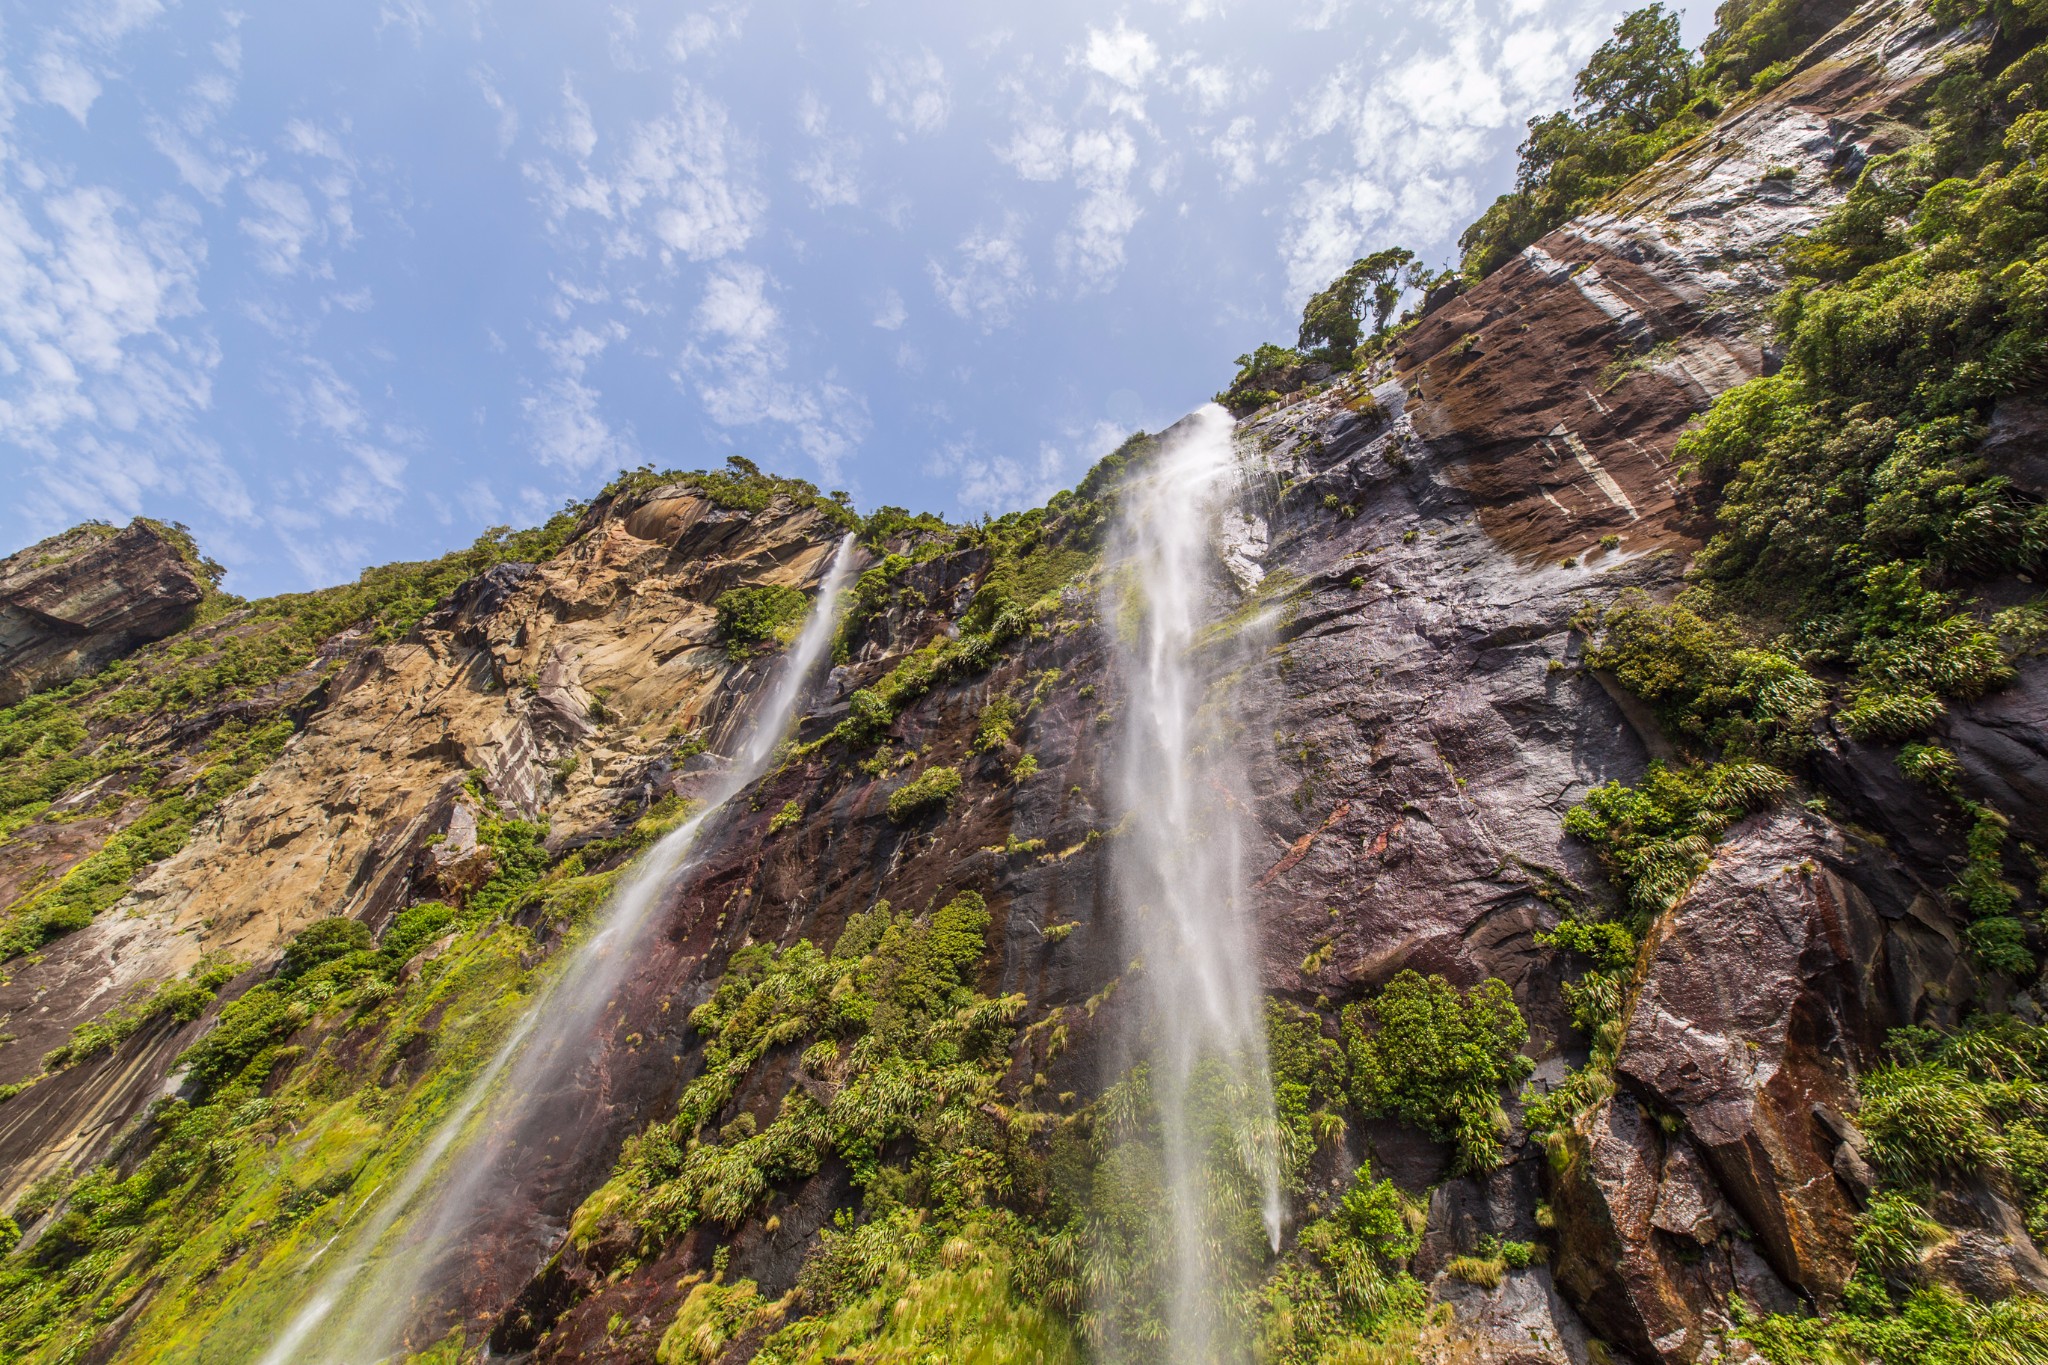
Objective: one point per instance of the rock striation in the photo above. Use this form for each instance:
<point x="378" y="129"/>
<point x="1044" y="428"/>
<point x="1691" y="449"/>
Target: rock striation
<point x="1421" y="546"/>
<point x="79" y="600"/>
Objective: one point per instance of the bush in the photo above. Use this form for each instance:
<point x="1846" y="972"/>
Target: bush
<point x="1437" y="1057"/>
<point x="1708" y="686"/>
<point x="1655" y="838"/>
<point x="930" y="790"/>
<point x="749" y="616"/>
<point x="323" y="941"/>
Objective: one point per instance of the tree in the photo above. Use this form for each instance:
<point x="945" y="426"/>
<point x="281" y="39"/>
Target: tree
<point x="1640" y="77"/>
<point x="1333" y="322"/>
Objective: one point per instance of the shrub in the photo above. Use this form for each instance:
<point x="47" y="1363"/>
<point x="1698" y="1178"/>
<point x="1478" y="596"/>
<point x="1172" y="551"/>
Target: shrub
<point x="323" y="941"/>
<point x="1707" y="685"/>
<point x="1893" y="1231"/>
<point x="1424" y="1051"/>
<point x="997" y="724"/>
<point x="930" y="790"/>
<point x="748" y="616"/>
<point x="792" y="811"/>
<point x="1656" y="837"/>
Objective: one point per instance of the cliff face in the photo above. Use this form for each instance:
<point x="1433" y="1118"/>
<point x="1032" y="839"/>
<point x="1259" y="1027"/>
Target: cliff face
<point x="74" y="602"/>
<point x="1429" y="535"/>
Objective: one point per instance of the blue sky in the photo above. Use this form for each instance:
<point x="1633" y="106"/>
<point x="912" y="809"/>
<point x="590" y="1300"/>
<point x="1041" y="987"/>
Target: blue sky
<point x="341" y="284"/>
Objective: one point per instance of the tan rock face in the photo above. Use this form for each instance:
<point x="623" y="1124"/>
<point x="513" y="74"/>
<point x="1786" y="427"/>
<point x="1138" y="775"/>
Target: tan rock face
<point x="503" y="682"/>
<point x="77" y="601"/>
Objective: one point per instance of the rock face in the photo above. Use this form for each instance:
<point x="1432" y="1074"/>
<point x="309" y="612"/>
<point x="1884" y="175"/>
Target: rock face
<point x="1423" y="724"/>
<point x="77" y="601"/>
<point x="500" y="682"/>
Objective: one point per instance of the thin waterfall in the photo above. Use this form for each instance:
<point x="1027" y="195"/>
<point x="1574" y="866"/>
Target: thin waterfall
<point x="1178" y="870"/>
<point x="360" y="1311"/>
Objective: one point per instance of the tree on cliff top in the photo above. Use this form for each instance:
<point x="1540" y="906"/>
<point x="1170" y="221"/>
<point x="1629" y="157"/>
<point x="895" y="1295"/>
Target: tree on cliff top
<point x="1334" y="321"/>
<point x="1638" y="78"/>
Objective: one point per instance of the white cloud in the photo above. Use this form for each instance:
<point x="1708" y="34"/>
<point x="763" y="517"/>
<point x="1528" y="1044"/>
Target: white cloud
<point x="700" y="32"/>
<point x="739" y="368"/>
<point x="1416" y="132"/>
<point x="282" y="225"/>
<point x="830" y="172"/>
<point x="1037" y="150"/>
<point x="1123" y="54"/>
<point x="568" y="432"/>
<point x="84" y="310"/>
<point x="911" y="90"/>
<point x="1208" y="86"/>
<point x="408" y="16"/>
<point x="576" y="133"/>
<point x="508" y="115"/>
<point x="1237" y="151"/>
<point x="675" y="186"/>
<point x="989" y="278"/>
<point x="109" y="21"/>
<point x="984" y="482"/>
<point x="890" y="315"/>
<point x="325" y="400"/>
<point x="204" y="159"/>
<point x="1092" y="247"/>
<point x="735" y="306"/>
<point x="65" y="81"/>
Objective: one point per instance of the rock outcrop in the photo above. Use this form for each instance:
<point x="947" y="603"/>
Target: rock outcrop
<point x="1415" y="735"/>
<point x="77" y="601"/>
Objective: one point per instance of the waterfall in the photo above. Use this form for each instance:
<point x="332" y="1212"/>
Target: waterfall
<point x="447" y="1186"/>
<point x="1178" y="869"/>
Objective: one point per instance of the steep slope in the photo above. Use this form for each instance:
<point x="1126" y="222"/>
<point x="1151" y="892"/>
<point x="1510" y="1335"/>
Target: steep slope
<point x="878" y="1085"/>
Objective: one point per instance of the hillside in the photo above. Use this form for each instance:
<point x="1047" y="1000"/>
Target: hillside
<point x="1525" y="848"/>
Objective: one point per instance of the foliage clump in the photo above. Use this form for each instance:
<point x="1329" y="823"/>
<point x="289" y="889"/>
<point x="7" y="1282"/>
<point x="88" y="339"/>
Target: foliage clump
<point x="1424" y="1051"/>
<point x="1710" y="688"/>
<point x="1636" y="101"/>
<point x="1656" y="837"/>
<point x="909" y="1056"/>
<point x="930" y="790"/>
<point x="750" y="616"/>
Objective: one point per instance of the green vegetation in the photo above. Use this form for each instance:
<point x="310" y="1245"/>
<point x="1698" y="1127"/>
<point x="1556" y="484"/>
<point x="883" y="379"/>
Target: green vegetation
<point x="106" y="729"/>
<point x="1656" y="837"/>
<point x="747" y="617"/>
<point x="895" y="1289"/>
<point x="742" y="486"/>
<point x="1711" y="689"/>
<point x="1933" y="1326"/>
<point x="1346" y="1281"/>
<point x="179" y="1001"/>
<point x="1335" y="321"/>
<point x="995" y="726"/>
<point x="930" y="790"/>
<point x="1636" y="101"/>
<point x="233" y="1189"/>
<point x="1424" y="1051"/>
<point x="910" y="1054"/>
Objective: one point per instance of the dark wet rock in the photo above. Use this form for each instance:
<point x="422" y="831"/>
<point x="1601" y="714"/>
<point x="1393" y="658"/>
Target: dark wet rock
<point x="1760" y="1003"/>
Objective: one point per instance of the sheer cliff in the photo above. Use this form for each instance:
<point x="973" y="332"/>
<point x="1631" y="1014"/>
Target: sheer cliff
<point x="1647" y="942"/>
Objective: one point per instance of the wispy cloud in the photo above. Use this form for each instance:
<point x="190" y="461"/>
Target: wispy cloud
<point x="987" y="277"/>
<point x="830" y="171"/>
<point x="677" y="184"/>
<point x="911" y="90"/>
<point x="738" y="366"/>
